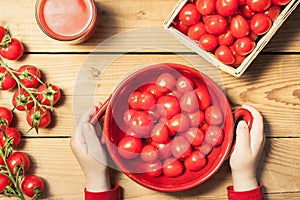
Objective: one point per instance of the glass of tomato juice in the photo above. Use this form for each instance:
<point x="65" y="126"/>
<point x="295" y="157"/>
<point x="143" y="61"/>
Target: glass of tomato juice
<point x="71" y="21"/>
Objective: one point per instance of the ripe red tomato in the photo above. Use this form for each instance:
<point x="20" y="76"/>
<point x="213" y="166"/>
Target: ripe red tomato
<point x="281" y="2"/>
<point x="260" y="23"/>
<point x="172" y="167"/>
<point x="129" y="147"/>
<point x="29" y="75"/>
<point x="189" y="15"/>
<point x="146" y="101"/>
<point x="196" y="31"/>
<point x="4" y="182"/>
<point x="3" y="31"/>
<point x="32" y="186"/>
<point x="216" y="24"/>
<point x="166" y="82"/>
<point x="246" y="11"/>
<point x="13" y="50"/>
<point x="48" y="94"/>
<point x="239" y="26"/>
<point x="225" y="55"/>
<point x="195" y="162"/>
<point x="168" y="106"/>
<point x="127" y="116"/>
<point x="195" y="136"/>
<point x="22" y="100"/>
<point x="6" y="80"/>
<point x="141" y="123"/>
<point x="152" y="88"/>
<point x="189" y="102"/>
<point x="160" y="133"/>
<point x="273" y="12"/>
<point x="133" y="100"/>
<point x="12" y="135"/>
<point x="214" y="115"/>
<point x="154" y="169"/>
<point x="184" y="84"/>
<point x="6" y="117"/>
<point x="196" y="118"/>
<point x="259" y="5"/>
<point x="178" y="123"/>
<point x="164" y="150"/>
<point x="214" y="136"/>
<point x="18" y="160"/>
<point x="227" y="7"/>
<point x="206" y="7"/>
<point x="149" y="153"/>
<point x="180" y="26"/>
<point x="208" y="42"/>
<point x="38" y="117"/>
<point x="244" y="46"/>
<point x="205" y="149"/>
<point x="238" y="58"/>
<point x="203" y="96"/>
<point x="181" y="148"/>
<point x="226" y="38"/>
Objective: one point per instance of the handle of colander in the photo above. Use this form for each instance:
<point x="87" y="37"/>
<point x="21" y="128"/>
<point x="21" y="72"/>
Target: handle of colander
<point x="100" y="111"/>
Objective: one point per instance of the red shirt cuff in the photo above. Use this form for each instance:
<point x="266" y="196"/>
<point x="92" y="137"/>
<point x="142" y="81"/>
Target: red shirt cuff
<point x="255" y="194"/>
<point x="112" y="194"/>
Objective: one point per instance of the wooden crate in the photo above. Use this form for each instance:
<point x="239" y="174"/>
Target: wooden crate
<point x="260" y="44"/>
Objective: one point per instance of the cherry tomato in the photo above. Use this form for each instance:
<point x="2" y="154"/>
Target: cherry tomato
<point x="206" y="7"/>
<point x="22" y="100"/>
<point x="242" y="2"/>
<point x="6" y="117"/>
<point x="243" y="114"/>
<point x="133" y="100"/>
<point x="280" y="2"/>
<point x="225" y="55"/>
<point x="259" y="5"/>
<point x="246" y="11"/>
<point x="129" y="147"/>
<point x="48" y="94"/>
<point x="238" y="58"/>
<point x="184" y="84"/>
<point x="227" y="7"/>
<point x="13" y="50"/>
<point x="154" y="169"/>
<point x="29" y="75"/>
<point x="208" y="42"/>
<point x="166" y="82"/>
<point x="160" y="133"/>
<point x="203" y="96"/>
<point x="172" y="167"/>
<point x="214" y="115"/>
<point x="3" y="31"/>
<point x="178" y="123"/>
<point x="146" y="100"/>
<point x="141" y="123"/>
<point x="168" y="106"/>
<point x="17" y="160"/>
<point x="6" y="80"/>
<point x="164" y="150"/>
<point x="260" y="23"/>
<point x="12" y="135"/>
<point x="226" y="38"/>
<point x="181" y="148"/>
<point x="195" y="161"/>
<point x="216" y="24"/>
<point x="32" y="186"/>
<point x="195" y="136"/>
<point x="214" y="136"/>
<point x="189" y="102"/>
<point x="152" y="88"/>
<point x="189" y="15"/>
<point x="4" y="182"/>
<point x="180" y="26"/>
<point x="196" y="31"/>
<point x="149" y="153"/>
<point x="239" y="27"/>
<point x="196" y="118"/>
<point x="38" y="117"/>
<point x="244" y="46"/>
<point x="273" y="12"/>
<point x="127" y="116"/>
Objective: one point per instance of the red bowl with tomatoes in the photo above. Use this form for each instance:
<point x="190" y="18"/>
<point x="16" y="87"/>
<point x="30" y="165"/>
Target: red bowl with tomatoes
<point x="168" y="127"/>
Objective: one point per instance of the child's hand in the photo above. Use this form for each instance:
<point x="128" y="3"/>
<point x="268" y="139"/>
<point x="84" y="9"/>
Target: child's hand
<point x="90" y="154"/>
<point x="247" y="151"/>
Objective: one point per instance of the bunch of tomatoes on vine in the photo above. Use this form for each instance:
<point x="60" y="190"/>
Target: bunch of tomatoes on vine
<point x="36" y="99"/>
<point x="228" y="28"/>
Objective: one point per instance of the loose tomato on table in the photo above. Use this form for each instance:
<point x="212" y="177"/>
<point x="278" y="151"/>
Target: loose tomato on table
<point x="48" y="94"/>
<point x="189" y="15"/>
<point x="38" y="117"/>
<point x="4" y="183"/>
<point x="29" y="75"/>
<point x="6" y="117"/>
<point x="7" y="82"/>
<point x="18" y="162"/>
<point x="22" y="100"/>
<point x="129" y="147"/>
<point x="10" y="136"/>
<point x="12" y="49"/>
<point x="32" y="186"/>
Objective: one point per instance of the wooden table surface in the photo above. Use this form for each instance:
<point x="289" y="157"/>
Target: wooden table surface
<point x="271" y="84"/>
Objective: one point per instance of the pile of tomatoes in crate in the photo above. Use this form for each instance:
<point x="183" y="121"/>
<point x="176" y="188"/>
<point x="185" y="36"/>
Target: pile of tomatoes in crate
<point x="171" y="125"/>
<point x="228" y="28"/>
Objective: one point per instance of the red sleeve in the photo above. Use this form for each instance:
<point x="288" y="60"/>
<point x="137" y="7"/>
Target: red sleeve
<point x="255" y="194"/>
<point x="112" y="194"/>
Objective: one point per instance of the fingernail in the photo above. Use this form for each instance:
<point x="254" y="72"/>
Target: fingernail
<point x="242" y="124"/>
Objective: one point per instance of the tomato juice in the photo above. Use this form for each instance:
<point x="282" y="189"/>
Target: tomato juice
<point x="67" y="20"/>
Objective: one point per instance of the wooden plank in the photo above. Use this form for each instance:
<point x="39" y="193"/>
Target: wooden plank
<point x="52" y="159"/>
<point x="118" y="18"/>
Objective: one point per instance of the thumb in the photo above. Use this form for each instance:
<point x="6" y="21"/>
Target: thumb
<point x="242" y="136"/>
